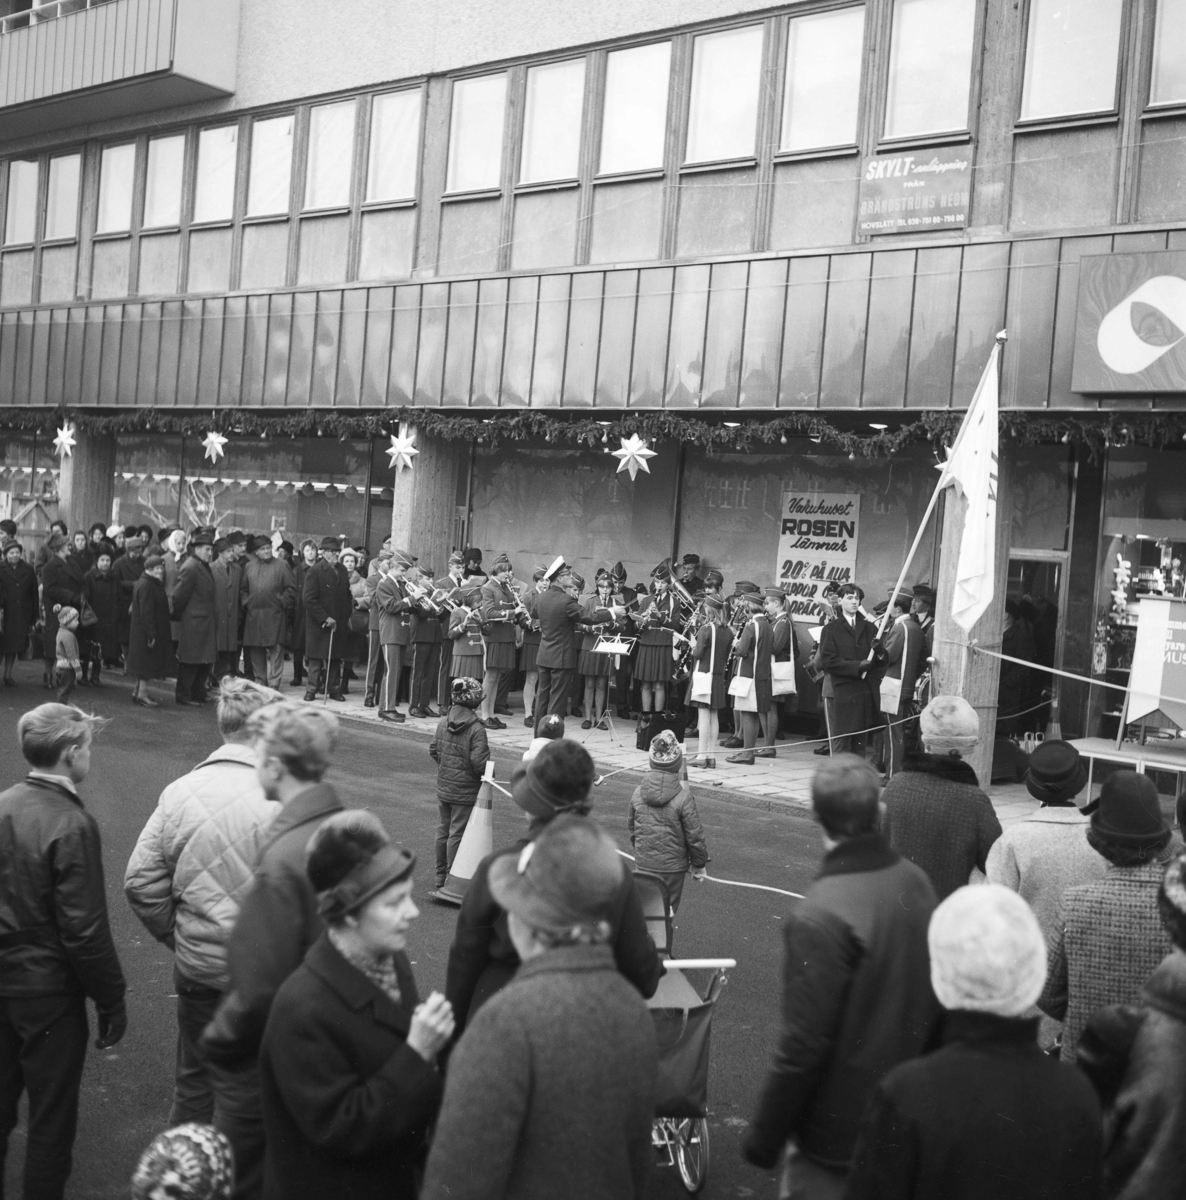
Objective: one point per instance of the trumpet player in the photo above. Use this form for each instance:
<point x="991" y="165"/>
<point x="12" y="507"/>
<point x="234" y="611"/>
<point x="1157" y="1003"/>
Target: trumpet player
<point x="656" y="619"/>
<point x="502" y="613"/>
<point x="395" y="631"/>
<point x="426" y="645"/>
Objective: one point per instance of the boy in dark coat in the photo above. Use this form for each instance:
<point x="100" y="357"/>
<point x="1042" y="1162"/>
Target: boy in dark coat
<point x="461" y="751"/>
<point x="846" y="658"/>
<point x="988" y="1114"/>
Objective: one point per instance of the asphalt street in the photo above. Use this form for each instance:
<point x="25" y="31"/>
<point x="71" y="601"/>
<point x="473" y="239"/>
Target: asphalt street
<point x="127" y="1091"/>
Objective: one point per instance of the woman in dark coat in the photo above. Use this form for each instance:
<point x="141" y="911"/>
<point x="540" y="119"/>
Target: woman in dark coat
<point x="101" y="590"/>
<point x="81" y="550"/>
<point x="150" y="646"/>
<point x="296" y="637"/>
<point x="348" y="1073"/>
<point x="61" y="585"/>
<point x="18" y="595"/>
<point x="128" y="570"/>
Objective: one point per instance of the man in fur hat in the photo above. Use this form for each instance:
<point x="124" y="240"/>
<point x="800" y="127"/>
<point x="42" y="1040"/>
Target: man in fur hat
<point x="269" y="598"/>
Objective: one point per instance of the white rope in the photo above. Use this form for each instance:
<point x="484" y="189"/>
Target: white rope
<point x="759" y="887"/>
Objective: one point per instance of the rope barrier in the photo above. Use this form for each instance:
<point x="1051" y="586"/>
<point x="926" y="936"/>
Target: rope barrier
<point x="758" y="887"/>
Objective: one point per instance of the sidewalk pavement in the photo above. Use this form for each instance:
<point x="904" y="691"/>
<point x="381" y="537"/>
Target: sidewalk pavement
<point x="775" y="784"/>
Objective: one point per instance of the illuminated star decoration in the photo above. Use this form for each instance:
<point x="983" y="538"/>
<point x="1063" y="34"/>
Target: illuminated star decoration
<point x="213" y="444"/>
<point x="65" y="442"/>
<point x="403" y="448"/>
<point x="633" y="455"/>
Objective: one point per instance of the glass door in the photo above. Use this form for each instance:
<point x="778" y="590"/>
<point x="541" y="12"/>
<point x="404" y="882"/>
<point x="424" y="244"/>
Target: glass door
<point x="1034" y="606"/>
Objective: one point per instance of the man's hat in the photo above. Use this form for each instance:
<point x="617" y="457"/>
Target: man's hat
<point x="1056" y="773"/>
<point x="203" y="536"/>
<point x="558" y="565"/>
<point x="257" y="541"/>
<point x="221" y="545"/>
<point x="331" y="543"/>
<point x="472" y="554"/>
<point x="237" y="537"/>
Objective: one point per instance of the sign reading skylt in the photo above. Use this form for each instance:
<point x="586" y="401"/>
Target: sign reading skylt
<point x="1130" y="326"/>
<point x="1158" y="681"/>
<point x="817" y="544"/>
<point x="915" y="193"/>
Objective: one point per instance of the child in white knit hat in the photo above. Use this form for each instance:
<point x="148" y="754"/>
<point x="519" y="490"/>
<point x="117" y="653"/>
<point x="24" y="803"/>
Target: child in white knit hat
<point x="69" y="662"/>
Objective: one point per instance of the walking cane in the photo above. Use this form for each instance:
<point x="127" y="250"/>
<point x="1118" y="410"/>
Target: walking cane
<point x="329" y="660"/>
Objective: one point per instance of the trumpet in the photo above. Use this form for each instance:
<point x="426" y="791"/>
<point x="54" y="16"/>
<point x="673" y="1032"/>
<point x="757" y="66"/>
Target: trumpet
<point x="423" y="597"/>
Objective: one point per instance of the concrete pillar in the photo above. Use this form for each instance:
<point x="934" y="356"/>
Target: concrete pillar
<point x="957" y="670"/>
<point x="425" y="501"/>
<point x="86" y="483"/>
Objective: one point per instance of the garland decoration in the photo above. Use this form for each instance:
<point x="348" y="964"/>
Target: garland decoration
<point x="1092" y="432"/>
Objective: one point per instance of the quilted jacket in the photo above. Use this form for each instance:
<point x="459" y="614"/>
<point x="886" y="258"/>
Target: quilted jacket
<point x="462" y="751"/>
<point x="664" y="825"/>
<point x="194" y="860"/>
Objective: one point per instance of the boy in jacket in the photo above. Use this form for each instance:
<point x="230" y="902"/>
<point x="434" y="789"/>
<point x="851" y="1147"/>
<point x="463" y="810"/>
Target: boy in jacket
<point x="461" y="752"/>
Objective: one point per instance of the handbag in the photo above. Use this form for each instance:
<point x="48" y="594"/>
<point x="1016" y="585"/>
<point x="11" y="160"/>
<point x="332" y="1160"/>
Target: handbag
<point x="701" y="689"/>
<point x="891" y="696"/>
<point x="359" y="621"/>
<point x="87" y="615"/>
<point x="782" y="678"/>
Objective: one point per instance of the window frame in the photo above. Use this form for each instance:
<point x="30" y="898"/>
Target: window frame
<point x="135" y="202"/>
<point x="186" y="142"/>
<point x="238" y="182"/>
<point x="596" y="81"/>
<point x="250" y="218"/>
<point x="511" y="132"/>
<point x="560" y="181"/>
<point x="73" y="239"/>
<point x="1144" y="65"/>
<point x="299" y="206"/>
<point x="365" y="205"/>
<point x="687" y="166"/>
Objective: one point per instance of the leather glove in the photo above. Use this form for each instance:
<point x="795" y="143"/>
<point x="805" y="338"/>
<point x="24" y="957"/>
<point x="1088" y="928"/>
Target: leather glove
<point x="113" y="1024"/>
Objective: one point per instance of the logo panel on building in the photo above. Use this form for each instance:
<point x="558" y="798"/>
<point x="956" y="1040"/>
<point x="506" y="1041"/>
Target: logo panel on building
<point x="1130" y="325"/>
<point x="915" y="193"/>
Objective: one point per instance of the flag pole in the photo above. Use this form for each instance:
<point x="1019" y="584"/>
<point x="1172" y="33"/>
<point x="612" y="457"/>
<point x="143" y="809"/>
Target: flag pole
<point x="922" y="525"/>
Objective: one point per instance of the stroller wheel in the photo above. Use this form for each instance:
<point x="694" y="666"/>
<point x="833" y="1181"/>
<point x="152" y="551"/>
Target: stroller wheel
<point x="691" y="1153"/>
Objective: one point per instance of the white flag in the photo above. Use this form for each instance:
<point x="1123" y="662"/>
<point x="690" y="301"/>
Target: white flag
<point x="972" y="467"/>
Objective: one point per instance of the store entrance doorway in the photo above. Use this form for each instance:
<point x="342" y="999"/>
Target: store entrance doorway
<point x="1034" y="607"/>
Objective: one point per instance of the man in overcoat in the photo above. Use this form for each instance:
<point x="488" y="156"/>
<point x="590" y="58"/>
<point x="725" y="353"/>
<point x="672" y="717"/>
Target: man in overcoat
<point x="192" y="608"/>
<point x="228" y="581"/>
<point x="328" y="604"/>
<point x="846" y="657"/>
<point x="269" y="594"/>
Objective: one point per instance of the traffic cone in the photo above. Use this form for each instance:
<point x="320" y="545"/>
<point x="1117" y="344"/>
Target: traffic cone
<point x="476" y="843"/>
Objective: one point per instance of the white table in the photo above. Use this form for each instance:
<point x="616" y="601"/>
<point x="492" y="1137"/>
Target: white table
<point x="1159" y="756"/>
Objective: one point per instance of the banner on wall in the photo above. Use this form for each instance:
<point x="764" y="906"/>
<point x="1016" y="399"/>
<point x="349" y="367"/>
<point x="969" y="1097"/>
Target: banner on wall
<point x="1158" y="680"/>
<point x="817" y="545"/>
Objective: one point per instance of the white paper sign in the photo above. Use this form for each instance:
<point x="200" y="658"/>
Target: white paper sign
<point x="817" y="545"/>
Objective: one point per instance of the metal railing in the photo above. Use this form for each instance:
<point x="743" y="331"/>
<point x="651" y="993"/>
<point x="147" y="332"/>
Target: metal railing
<point x="48" y="11"/>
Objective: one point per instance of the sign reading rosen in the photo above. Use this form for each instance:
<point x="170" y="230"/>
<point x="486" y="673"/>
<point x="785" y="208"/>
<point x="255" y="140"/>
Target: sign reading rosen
<point x="916" y="192"/>
<point x="1130" y="326"/>
<point x="817" y="544"/>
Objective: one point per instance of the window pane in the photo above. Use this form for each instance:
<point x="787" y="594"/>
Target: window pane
<point x="395" y="141"/>
<point x="823" y="88"/>
<point x="61" y="201"/>
<point x="930" y="67"/>
<point x="214" y="198"/>
<point x="1169" y="53"/>
<point x="634" y="124"/>
<point x="1071" y="57"/>
<point x="331" y="155"/>
<point x="162" y="185"/>
<point x="726" y="77"/>
<point x="271" y="167"/>
<point x="475" y="133"/>
<point x="552" y="122"/>
<point x="21" y="221"/>
<point x="115" y="188"/>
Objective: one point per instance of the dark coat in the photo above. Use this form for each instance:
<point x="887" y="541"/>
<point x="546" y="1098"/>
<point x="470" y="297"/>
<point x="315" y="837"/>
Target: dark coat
<point x="857" y="1000"/>
<point x="461" y="752"/>
<point x="228" y="584"/>
<point x="54" y="934"/>
<point x="128" y="571"/>
<point x="550" y="1094"/>
<point x="61" y="583"/>
<point x="987" y="1116"/>
<point x="277" y="923"/>
<point x="18" y="595"/>
<point x="269" y="593"/>
<point x="192" y="608"/>
<point x="347" y="1104"/>
<point x="326" y="593"/>
<point x="752" y="659"/>
<point x="296" y="623"/>
<point x="664" y="825"/>
<point x="843" y="649"/>
<point x="150" y="623"/>
<point x="559" y="614"/>
<point x="104" y="594"/>
<point x="937" y="816"/>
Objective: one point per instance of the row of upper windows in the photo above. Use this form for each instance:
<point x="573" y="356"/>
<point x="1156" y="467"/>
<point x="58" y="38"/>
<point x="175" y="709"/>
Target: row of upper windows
<point x="1071" y="68"/>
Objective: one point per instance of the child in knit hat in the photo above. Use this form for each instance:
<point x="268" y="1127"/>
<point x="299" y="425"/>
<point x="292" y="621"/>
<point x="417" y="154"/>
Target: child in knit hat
<point x="664" y="825"/>
<point x="69" y="664"/>
<point x="190" y="1162"/>
<point x="461" y="752"/>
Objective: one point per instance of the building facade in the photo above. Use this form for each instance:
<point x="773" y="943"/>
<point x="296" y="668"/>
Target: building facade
<point x="777" y="243"/>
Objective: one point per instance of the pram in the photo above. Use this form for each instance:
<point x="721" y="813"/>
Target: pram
<point x="683" y="1027"/>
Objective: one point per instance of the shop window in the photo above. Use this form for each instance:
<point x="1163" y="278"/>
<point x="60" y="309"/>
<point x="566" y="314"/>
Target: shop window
<point x="552" y="121"/>
<point x="1041" y="493"/>
<point x="270" y="177"/>
<point x="634" y="119"/>
<point x="331" y="154"/>
<point x="1071" y="58"/>
<point x="395" y="142"/>
<point x="1168" y="84"/>
<point x="20" y="220"/>
<point x="214" y="195"/>
<point x="116" y="170"/>
<point x="930" y="67"/>
<point x="726" y="83"/>
<point x="61" y="199"/>
<point x="823" y="85"/>
<point x="162" y="182"/>
<point x="475" y="133"/>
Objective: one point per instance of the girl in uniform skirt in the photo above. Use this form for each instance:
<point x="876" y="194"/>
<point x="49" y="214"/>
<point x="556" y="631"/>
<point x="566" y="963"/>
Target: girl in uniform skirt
<point x="465" y="631"/>
<point x="595" y="668"/>
<point x="711" y="654"/>
<point x="655" y="620"/>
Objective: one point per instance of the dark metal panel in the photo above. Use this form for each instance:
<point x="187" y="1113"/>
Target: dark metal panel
<point x="685" y="352"/>
<point x="211" y="352"/>
<point x="255" y="351"/>
<point x="489" y="339"/>
<point x="129" y="355"/>
<point x="845" y="325"/>
<point x="761" y="345"/>
<point x="651" y="327"/>
<point x="887" y="340"/>
<point x="1029" y="315"/>
<point x="234" y="332"/>
<point x="300" y="357"/>
<point x="24" y="357"/>
<point x="551" y="332"/>
<point x="430" y="354"/>
<point x="149" y="356"/>
<point x="932" y="328"/>
<point x="92" y="354"/>
<point x="72" y="390"/>
<point x="190" y="355"/>
<point x="459" y="345"/>
<point x="276" y="357"/>
<point x="351" y="346"/>
<point x="983" y="286"/>
<point x="169" y="363"/>
<point x="1071" y="250"/>
<point x="38" y="384"/>
<point x="55" y="387"/>
<point x="522" y="304"/>
<point x="721" y="386"/>
<point x="7" y="356"/>
<point x="377" y="357"/>
<point x="617" y="339"/>
<point x="584" y="329"/>
<point x="803" y="333"/>
<point x="401" y="381"/>
<point x="326" y="348"/>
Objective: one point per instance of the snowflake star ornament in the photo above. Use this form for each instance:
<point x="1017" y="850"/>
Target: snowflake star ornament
<point x="403" y="448"/>
<point x="65" y="442"/>
<point x="213" y="444"/>
<point x="633" y="455"/>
